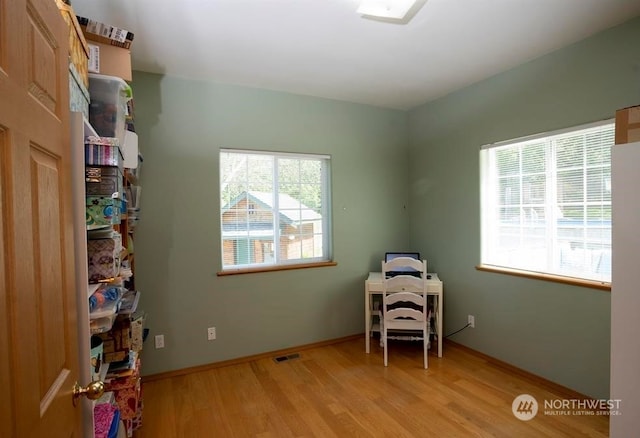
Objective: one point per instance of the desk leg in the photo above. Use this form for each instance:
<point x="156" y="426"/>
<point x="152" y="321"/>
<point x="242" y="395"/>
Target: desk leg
<point x="367" y="319"/>
<point x="440" y="334"/>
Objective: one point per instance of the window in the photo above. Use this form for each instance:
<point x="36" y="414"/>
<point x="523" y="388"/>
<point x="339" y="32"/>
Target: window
<point x="546" y="203"/>
<point x="274" y="209"/>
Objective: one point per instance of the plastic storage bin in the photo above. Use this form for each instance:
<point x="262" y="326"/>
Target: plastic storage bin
<point x="108" y="106"/>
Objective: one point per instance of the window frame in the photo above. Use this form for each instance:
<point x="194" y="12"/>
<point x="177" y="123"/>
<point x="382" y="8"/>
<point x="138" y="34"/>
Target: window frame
<point x="275" y="211"/>
<point x="486" y="189"/>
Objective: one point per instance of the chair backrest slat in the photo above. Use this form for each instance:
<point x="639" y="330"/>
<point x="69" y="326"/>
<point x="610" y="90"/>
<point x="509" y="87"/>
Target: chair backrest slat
<point x="404" y="313"/>
<point x="404" y="262"/>
<point x="405" y="297"/>
<point x="401" y="283"/>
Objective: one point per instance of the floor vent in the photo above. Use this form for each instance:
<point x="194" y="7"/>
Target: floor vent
<point x="279" y="359"/>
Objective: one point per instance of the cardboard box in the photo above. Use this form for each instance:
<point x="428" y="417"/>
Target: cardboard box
<point x="118" y="339"/>
<point x="110" y="60"/>
<point x="105" y="33"/>
<point x="628" y="125"/>
<point x="78" y="47"/>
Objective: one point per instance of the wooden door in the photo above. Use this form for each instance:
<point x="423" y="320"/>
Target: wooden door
<point x="38" y="317"/>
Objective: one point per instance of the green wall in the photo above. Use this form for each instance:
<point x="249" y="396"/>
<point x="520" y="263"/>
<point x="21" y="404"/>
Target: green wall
<point x="400" y="180"/>
<point x="182" y="124"/>
<point x="557" y="331"/>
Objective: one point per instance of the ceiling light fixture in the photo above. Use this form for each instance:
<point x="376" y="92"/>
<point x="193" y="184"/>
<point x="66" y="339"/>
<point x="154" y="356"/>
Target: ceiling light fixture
<point x="393" y="9"/>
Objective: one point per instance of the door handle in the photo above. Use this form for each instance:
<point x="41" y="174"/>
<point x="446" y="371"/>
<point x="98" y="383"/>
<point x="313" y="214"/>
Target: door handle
<point x="92" y="391"/>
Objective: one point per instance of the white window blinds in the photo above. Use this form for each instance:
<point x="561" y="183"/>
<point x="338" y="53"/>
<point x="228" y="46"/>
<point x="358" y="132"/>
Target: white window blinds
<point x="546" y="203"/>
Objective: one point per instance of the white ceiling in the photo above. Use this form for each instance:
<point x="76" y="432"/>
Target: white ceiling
<point x="324" y="48"/>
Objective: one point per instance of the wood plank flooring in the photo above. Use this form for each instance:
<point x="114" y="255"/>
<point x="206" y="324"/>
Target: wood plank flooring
<point x="339" y="391"/>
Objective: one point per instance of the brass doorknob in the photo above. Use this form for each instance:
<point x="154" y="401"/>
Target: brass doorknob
<point x="93" y="390"/>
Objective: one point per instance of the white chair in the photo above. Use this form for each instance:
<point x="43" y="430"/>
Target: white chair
<point x="404" y="304"/>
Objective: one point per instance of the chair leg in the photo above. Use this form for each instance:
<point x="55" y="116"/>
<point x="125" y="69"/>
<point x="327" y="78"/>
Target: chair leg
<point x="425" y="347"/>
<point x="429" y="330"/>
<point x="385" y="347"/>
<point x="381" y="328"/>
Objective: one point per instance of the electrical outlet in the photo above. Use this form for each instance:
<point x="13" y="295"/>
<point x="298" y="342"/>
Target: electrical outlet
<point x="211" y="333"/>
<point x="159" y="341"/>
<point x="471" y="320"/>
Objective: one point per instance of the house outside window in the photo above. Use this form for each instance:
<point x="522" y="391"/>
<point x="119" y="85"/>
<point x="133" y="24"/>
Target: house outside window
<point x="275" y="209"/>
<point x="546" y="203"/>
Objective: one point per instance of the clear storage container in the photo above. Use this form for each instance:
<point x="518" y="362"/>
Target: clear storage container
<point x="108" y="107"/>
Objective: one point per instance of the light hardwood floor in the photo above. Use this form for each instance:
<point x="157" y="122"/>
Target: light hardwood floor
<point x="339" y="391"/>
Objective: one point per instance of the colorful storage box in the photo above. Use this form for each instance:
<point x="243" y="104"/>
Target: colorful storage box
<point x="103" y="210"/>
<point x="135" y="422"/>
<point x="127" y="399"/>
<point x="116" y="343"/>
<point x="103" y="180"/>
<point x="137" y="333"/>
<point x="127" y="391"/>
<point x="103" y="151"/>
<point x="78" y="93"/>
<point x="104" y="258"/>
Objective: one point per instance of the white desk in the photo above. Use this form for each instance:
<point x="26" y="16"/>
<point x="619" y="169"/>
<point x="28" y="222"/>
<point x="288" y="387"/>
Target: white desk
<point x="373" y="286"/>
